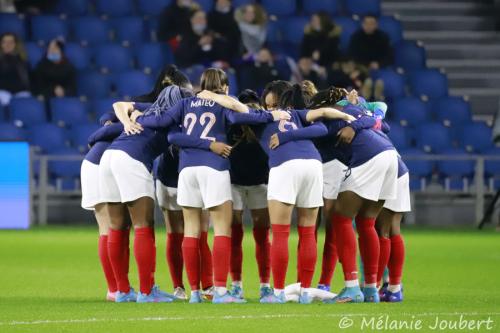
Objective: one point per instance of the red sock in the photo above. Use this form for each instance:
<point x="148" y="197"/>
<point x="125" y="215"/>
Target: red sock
<point x="106" y="264"/>
<point x="221" y="259"/>
<point x="385" y="252"/>
<point x="370" y="247"/>
<point x="396" y="260"/>
<point x="174" y="258"/>
<point x="308" y="254"/>
<point x="154" y="260"/>
<point x="346" y="246"/>
<point x="298" y="262"/>
<point x="329" y="257"/>
<point x="279" y="254"/>
<point x="116" y="252"/>
<point x="191" y="255"/>
<point x="126" y="249"/>
<point x="144" y="250"/>
<point x="236" y="251"/>
<point x="207" y="271"/>
<point x="263" y="253"/>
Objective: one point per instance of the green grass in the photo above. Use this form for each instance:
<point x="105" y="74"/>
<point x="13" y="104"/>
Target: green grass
<point x="50" y="281"/>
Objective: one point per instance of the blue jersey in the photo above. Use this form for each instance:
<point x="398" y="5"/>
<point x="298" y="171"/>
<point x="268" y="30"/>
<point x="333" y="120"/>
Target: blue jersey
<point x="100" y="140"/>
<point x="402" y="168"/>
<point x="167" y="166"/>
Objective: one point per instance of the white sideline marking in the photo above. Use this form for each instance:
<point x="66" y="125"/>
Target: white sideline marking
<point x="273" y="316"/>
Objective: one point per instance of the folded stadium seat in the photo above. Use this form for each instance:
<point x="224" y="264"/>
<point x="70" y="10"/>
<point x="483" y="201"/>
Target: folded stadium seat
<point x="65" y="173"/>
<point x="44" y="28"/>
<point x="48" y="137"/>
<point x="392" y="27"/>
<point x="409" y="56"/>
<point x="433" y="137"/>
<point x="93" y="85"/>
<point x="129" y="30"/>
<point x="233" y="83"/>
<point x="452" y="111"/>
<point x="101" y="106"/>
<point x="476" y="137"/>
<point x="420" y="170"/>
<point x="238" y="3"/>
<point x="152" y="57"/>
<point x="313" y="6"/>
<point x="27" y="111"/>
<point x="79" y="135"/>
<point x="274" y="32"/>
<point x="349" y="27"/>
<point x="90" y="30"/>
<point x="78" y="55"/>
<point x="132" y="83"/>
<point x="280" y="7"/>
<point x="410" y="111"/>
<point x="492" y="169"/>
<point x="72" y="8"/>
<point x="152" y="7"/>
<point x="206" y="5"/>
<point x="115" y="7"/>
<point x="293" y="29"/>
<point x="363" y="7"/>
<point x="394" y="83"/>
<point x="428" y="82"/>
<point x="13" y="23"/>
<point x="113" y="58"/>
<point x="457" y="174"/>
<point x="10" y="132"/>
<point x="35" y="53"/>
<point x="68" y="111"/>
<point x="194" y="73"/>
<point x="399" y="136"/>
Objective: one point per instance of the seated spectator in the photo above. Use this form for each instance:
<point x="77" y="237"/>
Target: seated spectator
<point x="34" y="7"/>
<point x="174" y="21"/>
<point x="7" y="6"/>
<point x="255" y="74"/>
<point x="221" y="20"/>
<point x="347" y="74"/>
<point x="200" y="45"/>
<point x="54" y="75"/>
<point x="252" y="21"/>
<point x="308" y="70"/>
<point x="321" y="39"/>
<point x="14" y="70"/>
<point x="370" y="46"/>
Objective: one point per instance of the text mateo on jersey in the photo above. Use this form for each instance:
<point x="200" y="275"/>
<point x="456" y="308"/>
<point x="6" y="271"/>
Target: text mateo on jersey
<point x="201" y="102"/>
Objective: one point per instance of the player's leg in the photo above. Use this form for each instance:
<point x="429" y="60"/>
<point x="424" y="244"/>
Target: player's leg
<point x="103" y="223"/>
<point x="174" y="223"/>
<point x="261" y="226"/>
<point x="237" y="253"/>
<point x="383" y="225"/>
<point x="396" y="260"/>
<point x="329" y="248"/>
<point x="307" y="255"/>
<point x="207" y="270"/>
<point x="191" y="250"/>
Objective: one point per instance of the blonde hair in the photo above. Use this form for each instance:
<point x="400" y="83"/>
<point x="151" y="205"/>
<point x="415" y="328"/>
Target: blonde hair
<point x="260" y="14"/>
<point x="309" y="89"/>
<point x="215" y="80"/>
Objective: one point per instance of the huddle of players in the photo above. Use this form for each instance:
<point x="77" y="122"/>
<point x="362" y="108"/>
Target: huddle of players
<point x="213" y="155"/>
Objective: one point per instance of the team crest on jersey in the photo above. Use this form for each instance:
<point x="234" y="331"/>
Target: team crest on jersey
<point x="202" y="102"/>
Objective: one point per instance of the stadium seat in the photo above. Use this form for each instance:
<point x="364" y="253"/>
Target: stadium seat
<point x="433" y="137"/>
<point x="68" y="111"/>
<point x="102" y="106"/>
<point x="399" y="136"/>
<point x="293" y="29"/>
<point x="93" y="85"/>
<point x="206" y="5"/>
<point x="477" y="137"/>
<point x="65" y="172"/>
<point x="48" y="137"/>
<point x="280" y="7"/>
<point x="13" y="23"/>
<point x="113" y="58"/>
<point x="238" y="3"/>
<point x="129" y="29"/>
<point x="9" y="132"/>
<point x="78" y="55"/>
<point x="47" y="27"/>
<point x="90" y="30"/>
<point x="72" y="8"/>
<point x="233" y="83"/>
<point x="194" y="72"/>
<point x="394" y="83"/>
<point x="420" y="169"/>
<point x="132" y="83"/>
<point x="80" y="134"/>
<point x="35" y="53"/>
<point x="429" y="82"/>
<point x="115" y="7"/>
<point x="392" y="27"/>
<point x="410" y="111"/>
<point x="153" y="56"/>
<point x="409" y="56"/>
<point x="27" y="111"/>
<point x="453" y="111"/>
<point x="492" y="169"/>
<point x="456" y="173"/>
<point x="274" y="34"/>
<point x="349" y="27"/>
<point x="363" y="7"/>
<point x="152" y="7"/>
<point x="314" y="6"/>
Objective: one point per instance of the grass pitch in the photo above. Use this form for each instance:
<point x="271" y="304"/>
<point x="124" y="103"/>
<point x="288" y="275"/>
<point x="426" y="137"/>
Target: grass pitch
<point x="51" y="281"/>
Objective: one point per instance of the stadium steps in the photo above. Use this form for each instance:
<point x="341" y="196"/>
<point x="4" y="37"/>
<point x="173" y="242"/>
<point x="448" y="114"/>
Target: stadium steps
<point x="450" y="36"/>
<point x="435" y="8"/>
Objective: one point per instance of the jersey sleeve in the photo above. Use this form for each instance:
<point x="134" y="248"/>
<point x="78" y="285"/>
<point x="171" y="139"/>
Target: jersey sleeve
<point x="303" y="116"/>
<point x="163" y="120"/>
<point x="142" y="106"/>
<point x="251" y="118"/>
<point x="108" y="116"/>
<point x="106" y="133"/>
<point x="364" y="122"/>
<point x="315" y="130"/>
<point x="176" y="137"/>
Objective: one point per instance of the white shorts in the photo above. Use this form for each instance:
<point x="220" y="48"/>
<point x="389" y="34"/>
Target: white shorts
<point x="376" y="179"/>
<point x="203" y="187"/>
<point x="166" y="196"/>
<point x="123" y="179"/>
<point x="251" y="197"/>
<point x="297" y="182"/>
<point x="89" y="178"/>
<point x="402" y="203"/>
<point x="333" y="175"/>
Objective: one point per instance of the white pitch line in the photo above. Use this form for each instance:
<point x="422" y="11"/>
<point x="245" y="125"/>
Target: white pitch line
<point x="230" y="317"/>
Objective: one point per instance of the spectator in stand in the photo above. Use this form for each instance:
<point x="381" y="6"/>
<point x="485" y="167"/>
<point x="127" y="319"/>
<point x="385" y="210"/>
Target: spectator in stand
<point x="14" y="70"/>
<point x="252" y="21"/>
<point x="54" y="75"/>
<point x="257" y="73"/>
<point x="307" y="69"/>
<point x="200" y="45"/>
<point x="371" y="46"/>
<point x="221" y="20"/>
<point x="7" y="6"/>
<point x="321" y="40"/>
<point x="34" y="7"/>
<point x="174" y="21"/>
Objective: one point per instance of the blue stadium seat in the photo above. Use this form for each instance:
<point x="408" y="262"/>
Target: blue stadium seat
<point x="80" y="134"/>
<point x="73" y="7"/>
<point x="115" y="7"/>
<point x="9" y="132"/>
<point x="477" y="137"/>
<point x="13" y="23"/>
<point x="129" y="29"/>
<point x="410" y="111"/>
<point x="132" y="83"/>
<point x="274" y="33"/>
<point x="68" y="111"/>
<point x="93" y="85"/>
<point x="314" y="6"/>
<point x="409" y="56"/>
<point x="363" y="7"/>
<point x="153" y="56"/>
<point x="35" y="53"/>
<point x="399" y="136"/>
<point x="280" y="7"/>
<point x="66" y="173"/>
<point x="392" y="27"/>
<point x="394" y="83"/>
<point x="492" y="169"/>
<point x="433" y="137"/>
<point x="238" y="3"/>
<point x="293" y="29"/>
<point x="194" y="73"/>
<point x="152" y="7"/>
<point x="349" y="27"/>
<point x="429" y="82"/>
<point x="206" y="5"/>
<point x="48" y="137"/>
<point x="27" y="111"/>
<point x="90" y="30"/>
<point x="420" y="170"/>
<point x="233" y="83"/>
<point x="47" y="27"/>
<point x="3" y="117"/>
<point x="102" y="106"/>
<point x="453" y="111"/>
<point x="113" y="58"/>
<point x="78" y="55"/>
<point x="456" y="173"/>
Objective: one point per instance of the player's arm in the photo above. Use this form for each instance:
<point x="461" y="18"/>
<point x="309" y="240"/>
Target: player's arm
<point x="255" y="117"/>
<point x="105" y="133"/>
<point x="327" y="113"/>
<point x="164" y="119"/>
<point x="176" y="137"/>
<point x="224" y="100"/>
<point x="108" y="118"/>
<point x="124" y="110"/>
<point x="379" y="109"/>
<point x="312" y="131"/>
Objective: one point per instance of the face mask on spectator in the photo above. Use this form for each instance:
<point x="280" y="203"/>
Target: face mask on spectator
<point x="54" y="57"/>
<point x="223" y="9"/>
<point x="199" y="28"/>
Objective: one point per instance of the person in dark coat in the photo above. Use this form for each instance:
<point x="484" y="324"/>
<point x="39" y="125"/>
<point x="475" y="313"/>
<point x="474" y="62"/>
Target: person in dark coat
<point x="221" y="21"/>
<point x="14" y="70"/>
<point x="321" y="40"/>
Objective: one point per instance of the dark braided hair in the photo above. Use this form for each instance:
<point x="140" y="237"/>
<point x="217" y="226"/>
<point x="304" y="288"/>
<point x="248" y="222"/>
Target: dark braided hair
<point x="292" y="98"/>
<point x="327" y="97"/>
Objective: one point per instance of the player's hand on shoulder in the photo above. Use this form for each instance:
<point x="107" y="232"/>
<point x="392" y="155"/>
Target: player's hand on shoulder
<point x="131" y="128"/>
<point x="349" y="118"/>
<point x="135" y="114"/>
<point x="220" y="148"/>
<point x="346" y="135"/>
<point x="274" y="142"/>
<point x="281" y="115"/>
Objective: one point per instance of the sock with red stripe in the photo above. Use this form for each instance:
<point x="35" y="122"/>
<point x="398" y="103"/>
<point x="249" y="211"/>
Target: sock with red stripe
<point x="329" y="257"/>
<point x="385" y="252"/>
<point x="308" y="255"/>
<point x="396" y="260"/>
<point x="191" y="255"/>
<point x="279" y="254"/>
<point x="116" y="253"/>
<point x="144" y="251"/>
<point x="370" y="248"/>
<point x="346" y="247"/>
<point x="207" y="271"/>
<point x="174" y="258"/>
<point x="106" y="264"/>
<point x="263" y="253"/>
<point x="221" y="259"/>
<point x="236" y="251"/>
